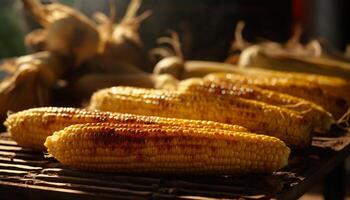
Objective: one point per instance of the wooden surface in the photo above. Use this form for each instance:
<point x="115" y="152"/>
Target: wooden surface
<point x="32" y="175"/>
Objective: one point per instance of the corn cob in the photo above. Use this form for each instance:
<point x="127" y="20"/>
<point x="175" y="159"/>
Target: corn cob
<point x="154" y="148"/>
<point x="336" y="105"/>
<point x="332" y="85"/>
<point x="29" y="128"/>
<point x="258" y="117"/>
<point x="321" y="119"/>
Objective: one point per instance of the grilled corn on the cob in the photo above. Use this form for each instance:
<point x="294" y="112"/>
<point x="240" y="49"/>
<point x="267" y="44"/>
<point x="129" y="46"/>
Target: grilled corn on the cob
<point x="333" y="85"/>
<point x="257" y="116"/>
<point x="320" y="117"/>
<point x="336" y="105"/>
<point x="29" y="128"/>
<point x="145" y="148"/>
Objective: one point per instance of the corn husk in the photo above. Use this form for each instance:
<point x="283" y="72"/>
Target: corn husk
<point x="30" y="82"/>
<point x="36" y="39"/>
<point x="256" y="56"/>
<point x="238" y="43"/>
<point x="172" y="59"/>
<point x="291" y="56"/>
<point x="122" y="42"/>
<point x="68" y="32"/>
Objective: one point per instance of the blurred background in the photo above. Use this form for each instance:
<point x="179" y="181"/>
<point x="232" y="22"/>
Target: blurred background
<point x="205" y="26"/>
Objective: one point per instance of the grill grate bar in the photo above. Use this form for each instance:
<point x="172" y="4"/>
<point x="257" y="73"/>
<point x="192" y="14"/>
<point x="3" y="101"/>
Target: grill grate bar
<point x="20" y="167"/>
<point x="22" y="161"/>
<point x="10" y="172"/>
<point x="220" y="188"/>
<point x="58" y="178"/>
<point x="7" y="142"/>
<point x="213" y="194"/>
<point x="46" y="192"/>
<point x="17" y="149"/>
<point x="105" y="176"/>
<point x="28" y="155"/>
<point x="82" y="187"/>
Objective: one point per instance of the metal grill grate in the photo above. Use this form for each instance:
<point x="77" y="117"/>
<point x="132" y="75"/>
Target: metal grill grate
<point x="29" y="174"/>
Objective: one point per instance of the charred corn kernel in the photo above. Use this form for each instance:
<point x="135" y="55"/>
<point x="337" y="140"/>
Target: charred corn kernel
<point x="29" y="128"/>
<point x="321" y="119"/>
<point x="257" y="116"/>
<point x="336" y="105"/>
<point x="155" y="148"/>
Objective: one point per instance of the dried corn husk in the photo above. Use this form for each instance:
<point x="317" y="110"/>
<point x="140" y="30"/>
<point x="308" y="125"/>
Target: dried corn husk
<point x="36" y="39"/>
<point x="291" y="56"/>
<point x="173" y="61"/>
<point x="122" y="42"/>
<point x="238" y="44"/>
<point x="68" y="32"/>
<point x="30" y="82"/>
<point x="256" y="56"/>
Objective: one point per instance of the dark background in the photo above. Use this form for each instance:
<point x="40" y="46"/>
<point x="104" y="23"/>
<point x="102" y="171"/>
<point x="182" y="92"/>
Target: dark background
<point x="205" y="26"/>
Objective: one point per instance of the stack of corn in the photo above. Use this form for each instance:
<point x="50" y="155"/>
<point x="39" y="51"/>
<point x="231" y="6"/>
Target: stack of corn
<point x="219" y="124"/>
<point x="259" y="117"/>
<point x="104" y="141"/>
<point x="289" y="106"/>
